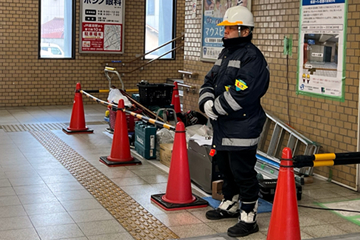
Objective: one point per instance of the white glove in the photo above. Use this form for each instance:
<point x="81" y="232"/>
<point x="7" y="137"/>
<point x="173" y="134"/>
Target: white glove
<point x="208" y="110"/>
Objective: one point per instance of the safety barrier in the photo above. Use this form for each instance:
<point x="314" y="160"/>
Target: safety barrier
<point x="178" y="194"/>
<point x="326" y="159"/>
<point x="137" y="115"/>
<point x="284" y="221"/>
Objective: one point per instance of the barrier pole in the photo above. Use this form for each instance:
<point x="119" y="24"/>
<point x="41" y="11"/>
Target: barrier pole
<point x="139" y="116"/>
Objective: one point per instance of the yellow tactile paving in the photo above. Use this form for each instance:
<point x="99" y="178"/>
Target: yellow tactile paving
<point x="130" y="214"/>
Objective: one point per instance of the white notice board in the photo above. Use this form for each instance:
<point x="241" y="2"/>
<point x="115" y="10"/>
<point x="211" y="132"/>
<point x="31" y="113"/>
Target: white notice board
<point x="102" y="26"/>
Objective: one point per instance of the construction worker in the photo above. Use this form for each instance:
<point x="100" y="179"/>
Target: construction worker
<point x="230" y="97"/>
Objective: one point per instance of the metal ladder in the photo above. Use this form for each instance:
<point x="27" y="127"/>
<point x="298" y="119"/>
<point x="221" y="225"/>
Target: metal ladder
<point x="275" y="136"/>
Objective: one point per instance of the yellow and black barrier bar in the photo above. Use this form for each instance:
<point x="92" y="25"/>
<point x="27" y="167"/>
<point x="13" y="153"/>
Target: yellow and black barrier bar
<point x="97" y="91"/>
<point x="107" y="90"/>
<point x="139" y="116"/>
<point x="326" y="159"/>
<point x="126" y="94"/>
<point x="150" y="120"/>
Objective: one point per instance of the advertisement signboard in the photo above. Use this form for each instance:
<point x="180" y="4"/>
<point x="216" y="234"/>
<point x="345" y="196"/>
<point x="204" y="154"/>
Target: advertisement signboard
<point x="101" y="26"/>
<point x="322" y="42"/>
<point x="212" y="13"/>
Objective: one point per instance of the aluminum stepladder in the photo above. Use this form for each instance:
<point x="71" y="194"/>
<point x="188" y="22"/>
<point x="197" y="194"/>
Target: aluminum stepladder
<point x="275" y="136"/>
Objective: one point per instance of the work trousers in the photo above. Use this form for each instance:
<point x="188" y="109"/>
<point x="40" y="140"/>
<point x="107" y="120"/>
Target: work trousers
<point x="238" y="168"/>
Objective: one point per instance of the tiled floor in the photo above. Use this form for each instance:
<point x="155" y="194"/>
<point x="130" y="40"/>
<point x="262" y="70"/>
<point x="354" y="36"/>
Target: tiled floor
<point x="40" y="199"/>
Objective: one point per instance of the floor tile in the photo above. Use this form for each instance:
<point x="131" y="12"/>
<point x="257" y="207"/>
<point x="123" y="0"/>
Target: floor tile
<point x="37" y="198"/>
<point x="65" y="186"/>
<point x="6" y="191"/>
<point x="323" y="231"/>
<point x="90" y="215"/>
<point x="19" y="234"/>
<point x="73" y="195"/>
<point x="32" y="189"/>
<point x="51" y="219"/>
<point x="193" y="230"/>
<point x="101" y="227"/>
<point x="15" y="182"/>
<point x="9" y="200"/>
<point x="12" y="211"/>
<point x="36" y="191"/>
<point x="11" y="223"/>
<point x="58" y="178"/>
<point x="59" y="232"/>
<point x="116" y="236"/>
<point x="82" y="204"/>
<point x="44" y="208"/>
<point x="178" y="218"/>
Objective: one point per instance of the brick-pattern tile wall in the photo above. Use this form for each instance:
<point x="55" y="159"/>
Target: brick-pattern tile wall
<point x="26" y="80"/>
<point x="332" y="124"/>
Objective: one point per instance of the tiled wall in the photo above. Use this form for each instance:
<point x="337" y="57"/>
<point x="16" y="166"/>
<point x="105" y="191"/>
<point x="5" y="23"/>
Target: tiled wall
<point x="333" y="124"/>
<point x="26" y="80"/>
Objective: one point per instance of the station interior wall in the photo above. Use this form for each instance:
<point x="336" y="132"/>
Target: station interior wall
<point x="26" y="80"/>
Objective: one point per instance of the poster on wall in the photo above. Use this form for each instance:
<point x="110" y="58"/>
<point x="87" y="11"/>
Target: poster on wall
<point x="213" y="12"/>
<point x="322" y="42"/>
<point x="101" y="26"/>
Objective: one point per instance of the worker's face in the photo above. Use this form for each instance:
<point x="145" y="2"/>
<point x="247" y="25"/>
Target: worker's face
<point x="232" y="32"/>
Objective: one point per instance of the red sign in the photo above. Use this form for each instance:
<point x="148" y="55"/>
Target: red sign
<point x="101" y="37"/>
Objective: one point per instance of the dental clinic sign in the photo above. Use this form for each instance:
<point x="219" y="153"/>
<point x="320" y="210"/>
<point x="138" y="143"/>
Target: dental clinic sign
<point x="102" y="26"/>
<point x="322" y="41"/>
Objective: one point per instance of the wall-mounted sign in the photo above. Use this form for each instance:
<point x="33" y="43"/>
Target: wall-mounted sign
<point x="213" y="12"/>
<point x="322" y="38"/>
<point x="193" y="9"/>
<point x="101" y="26"/>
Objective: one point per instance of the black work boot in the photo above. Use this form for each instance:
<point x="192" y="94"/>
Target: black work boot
<point x="226" y="209"/>
<point x="218" y="213"/>
<point x="246" y="224"/>
<point x="242" y="229"/>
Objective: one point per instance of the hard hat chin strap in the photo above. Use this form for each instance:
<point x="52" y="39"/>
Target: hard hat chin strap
<point x="239" y="31"/>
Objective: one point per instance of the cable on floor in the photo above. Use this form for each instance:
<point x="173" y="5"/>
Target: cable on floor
<point x="330" y="209"/>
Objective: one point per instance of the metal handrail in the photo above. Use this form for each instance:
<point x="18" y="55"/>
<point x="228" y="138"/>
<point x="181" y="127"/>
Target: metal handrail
<point x="155" y="49"/>
<point x="187" y="87"/>
<point x="152" y="60"/>
<point x="188" y="74"/>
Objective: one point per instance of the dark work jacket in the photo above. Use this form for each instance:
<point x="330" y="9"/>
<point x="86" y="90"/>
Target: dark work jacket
<point x="236" y="82"/>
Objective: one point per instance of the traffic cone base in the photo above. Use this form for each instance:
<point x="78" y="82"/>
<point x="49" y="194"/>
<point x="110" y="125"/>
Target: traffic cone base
<point x="111" y="163"/>
<point x="159" y="200"/>
<point x="69" y="131"/>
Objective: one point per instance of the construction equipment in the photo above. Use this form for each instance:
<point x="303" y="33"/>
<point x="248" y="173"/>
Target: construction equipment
<point x="110" y="73"/>
<point x="108" y="70"/>
<point x="275" y="136"/>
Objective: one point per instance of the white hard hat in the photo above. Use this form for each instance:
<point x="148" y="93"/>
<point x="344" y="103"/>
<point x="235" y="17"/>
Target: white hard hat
<point x="237" y="15"/>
